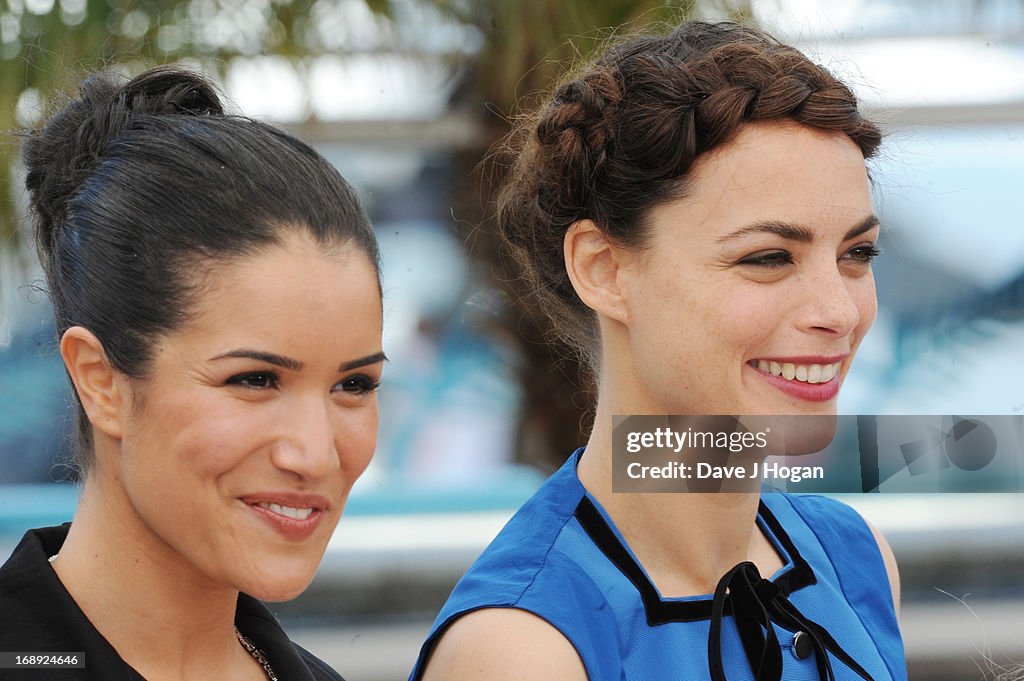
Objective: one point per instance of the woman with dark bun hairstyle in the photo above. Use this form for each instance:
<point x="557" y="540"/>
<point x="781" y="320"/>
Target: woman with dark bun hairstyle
<point x="216" y="290"/>
<point x="693" y="211"/>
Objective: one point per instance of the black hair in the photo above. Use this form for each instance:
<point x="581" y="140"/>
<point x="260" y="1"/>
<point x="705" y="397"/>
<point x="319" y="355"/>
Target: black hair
<point x="138" y="186"/>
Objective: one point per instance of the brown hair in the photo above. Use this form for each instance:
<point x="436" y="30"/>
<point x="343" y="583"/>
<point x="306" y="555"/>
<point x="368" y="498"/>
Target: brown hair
<point x="618" y="138"/>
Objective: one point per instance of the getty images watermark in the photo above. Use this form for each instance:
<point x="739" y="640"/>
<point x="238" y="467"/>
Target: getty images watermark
<point x="831" y="454"/>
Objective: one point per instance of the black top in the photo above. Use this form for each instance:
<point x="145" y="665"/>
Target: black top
<point x="38" y="615"/>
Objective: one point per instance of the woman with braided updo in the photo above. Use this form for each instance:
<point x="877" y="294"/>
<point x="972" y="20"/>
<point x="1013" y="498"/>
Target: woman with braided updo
<point x="216" y="290"/>
<point x="693" y="211"/>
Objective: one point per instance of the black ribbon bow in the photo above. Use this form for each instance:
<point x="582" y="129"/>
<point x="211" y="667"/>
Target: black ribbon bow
<point x="756" y="603"/>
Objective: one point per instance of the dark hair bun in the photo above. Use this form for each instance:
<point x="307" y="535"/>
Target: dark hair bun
<point x="61" y="156"/>
<point x="171" y="90"/>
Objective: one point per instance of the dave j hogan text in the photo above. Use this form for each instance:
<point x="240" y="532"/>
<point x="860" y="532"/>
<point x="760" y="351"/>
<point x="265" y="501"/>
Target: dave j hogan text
<point x="768" y="471"/>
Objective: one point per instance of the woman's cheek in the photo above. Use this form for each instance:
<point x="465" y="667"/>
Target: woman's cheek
<point x="867" y="305"/>
<point x="356" y="447"/>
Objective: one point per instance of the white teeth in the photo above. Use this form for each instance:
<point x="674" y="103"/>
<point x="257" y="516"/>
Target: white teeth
<point x="806" y="373"/>
<point x="828" y="372"/>
<point x="296" y="513"/>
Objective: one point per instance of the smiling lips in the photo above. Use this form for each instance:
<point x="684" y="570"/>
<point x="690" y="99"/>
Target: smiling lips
<point x="293" y="516"/>
<point x="291" y="512"/>
<point x="807" y="373"/>
<point x="815" y="379"/>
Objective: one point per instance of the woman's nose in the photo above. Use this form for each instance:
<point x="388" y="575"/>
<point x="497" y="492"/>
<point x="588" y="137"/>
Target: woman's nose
<point x="830" y="303"/>
<point x="307" y="446"/>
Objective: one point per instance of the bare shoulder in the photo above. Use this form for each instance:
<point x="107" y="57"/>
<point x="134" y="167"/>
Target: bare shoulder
<point x="504" y="644"/>
<point x="890" y="564"/>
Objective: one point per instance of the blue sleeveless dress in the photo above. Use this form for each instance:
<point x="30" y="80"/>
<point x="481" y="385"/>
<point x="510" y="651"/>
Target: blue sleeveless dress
<point x="828" y="611"/>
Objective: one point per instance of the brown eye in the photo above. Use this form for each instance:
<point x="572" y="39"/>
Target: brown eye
<point x="864" y="254"/>
<point x="256" y="380"/>
<point x="359" y="384"/>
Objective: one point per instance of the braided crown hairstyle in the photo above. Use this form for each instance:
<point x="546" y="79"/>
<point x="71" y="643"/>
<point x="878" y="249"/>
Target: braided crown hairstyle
<point x="619" y="138"/>
<point x="139" y="188"/>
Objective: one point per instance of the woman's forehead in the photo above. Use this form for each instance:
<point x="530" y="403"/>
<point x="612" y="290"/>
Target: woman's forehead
<point x="783" y="173"/>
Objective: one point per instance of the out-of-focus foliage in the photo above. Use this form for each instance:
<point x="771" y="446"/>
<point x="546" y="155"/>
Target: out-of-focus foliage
<point x="528" y="44"/>
<point x="47" y="45"/>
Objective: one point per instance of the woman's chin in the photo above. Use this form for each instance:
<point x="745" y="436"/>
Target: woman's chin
<point x="278" y="593"/>
<point x="276" y="586"/>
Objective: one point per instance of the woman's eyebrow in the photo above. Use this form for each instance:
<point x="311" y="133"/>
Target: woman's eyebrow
<point x="869" y="223"/>
<point x="260" y="356"/>
<point x="794" y="232"/>
<point x="296" y="365"/>
<point x="363" y="361"/>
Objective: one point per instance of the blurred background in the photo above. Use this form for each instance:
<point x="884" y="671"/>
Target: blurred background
<point x="407" y="97"/>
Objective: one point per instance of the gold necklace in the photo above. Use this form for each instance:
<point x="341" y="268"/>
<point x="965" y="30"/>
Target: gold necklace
<point x="256" y="653"/>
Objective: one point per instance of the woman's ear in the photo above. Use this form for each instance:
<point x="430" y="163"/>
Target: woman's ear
<point x="594" y="265"/>
<point x="99" y="386"/>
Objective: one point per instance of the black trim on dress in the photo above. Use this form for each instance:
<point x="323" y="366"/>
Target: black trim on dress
<point x="660" y="611"/>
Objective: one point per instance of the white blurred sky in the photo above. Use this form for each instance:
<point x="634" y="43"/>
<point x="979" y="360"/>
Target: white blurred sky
<point x="896" y="54"/>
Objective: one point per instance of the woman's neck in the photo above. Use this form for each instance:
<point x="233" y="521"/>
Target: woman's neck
<point x="686" y="541"/>
<point x="164" y="619"/>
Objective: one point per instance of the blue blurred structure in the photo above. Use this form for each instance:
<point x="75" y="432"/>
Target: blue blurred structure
<point x="951" y="282"/>
<point x="34" y="419"/>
